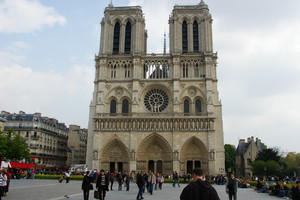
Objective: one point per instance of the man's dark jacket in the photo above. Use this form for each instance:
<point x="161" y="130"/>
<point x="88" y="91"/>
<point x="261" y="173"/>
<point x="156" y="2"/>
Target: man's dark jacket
<point x="140" y="181"/>
<point x="199" y="190"/>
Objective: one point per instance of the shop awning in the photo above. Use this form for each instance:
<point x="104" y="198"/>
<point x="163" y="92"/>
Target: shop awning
<point x="22" y="165"/>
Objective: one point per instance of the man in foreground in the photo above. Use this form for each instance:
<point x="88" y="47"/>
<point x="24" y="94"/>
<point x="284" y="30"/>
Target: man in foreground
<point x="199" y="189"/>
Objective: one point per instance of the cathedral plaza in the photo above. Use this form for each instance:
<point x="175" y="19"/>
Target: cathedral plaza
<point x="28" y="189"/>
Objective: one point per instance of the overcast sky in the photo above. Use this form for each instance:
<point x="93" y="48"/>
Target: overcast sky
<point x="47" y="50"/>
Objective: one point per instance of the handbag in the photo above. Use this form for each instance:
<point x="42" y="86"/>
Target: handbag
<point x="91" y="187"/>
<point x="96" y="194"/>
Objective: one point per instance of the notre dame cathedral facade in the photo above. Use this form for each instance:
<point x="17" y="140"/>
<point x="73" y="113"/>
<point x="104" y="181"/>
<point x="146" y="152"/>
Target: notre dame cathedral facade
<point x="158" y="112"/>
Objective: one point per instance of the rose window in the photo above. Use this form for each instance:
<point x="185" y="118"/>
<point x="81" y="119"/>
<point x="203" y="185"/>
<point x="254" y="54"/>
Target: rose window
<point x="156" y="100"/>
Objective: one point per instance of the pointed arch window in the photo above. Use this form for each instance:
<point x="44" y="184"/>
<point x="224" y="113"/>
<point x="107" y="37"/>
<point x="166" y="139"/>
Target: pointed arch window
<point x="184" y="37"/>
<point x="198" y="106"/>
<point x="113" y="107"/>
<point x="128" y="38"/>
<point x="195" y="36"/>
<point x="116" y="39"/>
<point x="186" y="107"/>
<point x="125" y="107"/>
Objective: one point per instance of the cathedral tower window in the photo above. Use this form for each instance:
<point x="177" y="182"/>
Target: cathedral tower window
<point x="113" y="71"/>
<point x="113" y="107"/>
<point x="125" y="107"/>
<point x="195" y="36"/>
<point x="128" y="38"/>
<point x="127" y="71"/>
<point x="116" y="41"/>
<point x="197" y="106"/>
<point x="185" y="71"/>
<point x="184" y="37"/>
<point x="186" y="107"/>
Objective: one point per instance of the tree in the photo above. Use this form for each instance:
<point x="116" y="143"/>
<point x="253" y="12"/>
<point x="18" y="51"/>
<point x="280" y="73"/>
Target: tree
<point x="268" y="154"/>
<point x="259" y="168"/>
<point x="229" y="157"/>
<point x="13" y="146"/>
<point x="291" y="163"/>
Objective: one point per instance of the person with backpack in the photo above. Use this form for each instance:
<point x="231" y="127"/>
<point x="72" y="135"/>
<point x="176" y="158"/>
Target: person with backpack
<point x="199" y="189"/>
<point x="231" y="187"/>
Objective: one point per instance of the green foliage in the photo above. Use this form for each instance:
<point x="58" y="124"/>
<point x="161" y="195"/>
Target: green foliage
<point x="42" y="176"/>
<point x="3" y="144"/>
<point x="258" y="167"/>
<point x="291" y="163"/>
<point x="13" y="146"/>
<point x="229" y="157"/>
<point x="268" y="154"/>
<point x="266" y="168"/>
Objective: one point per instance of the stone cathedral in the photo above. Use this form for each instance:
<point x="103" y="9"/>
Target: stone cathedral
<point x="158" y="112"/>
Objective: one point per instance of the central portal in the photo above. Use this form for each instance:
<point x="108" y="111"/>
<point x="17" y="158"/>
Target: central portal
<point x="154" y="153"/>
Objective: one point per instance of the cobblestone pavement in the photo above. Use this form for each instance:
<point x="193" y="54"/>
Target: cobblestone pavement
<point x="24" y="189"/>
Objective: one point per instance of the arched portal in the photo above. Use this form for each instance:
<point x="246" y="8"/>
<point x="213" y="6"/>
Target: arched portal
<point x="115" y="156"/>
<point x="194" y="154"/>
<point x="155" y="154"/>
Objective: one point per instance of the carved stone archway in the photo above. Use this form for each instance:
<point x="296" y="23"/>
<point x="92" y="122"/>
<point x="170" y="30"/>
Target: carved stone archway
<point x="115" y="156"/>
<point x="194" y="154"/>
<point x="154" y="153"/>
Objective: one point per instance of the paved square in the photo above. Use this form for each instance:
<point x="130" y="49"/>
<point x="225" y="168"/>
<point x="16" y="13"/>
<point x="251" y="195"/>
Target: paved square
<point x="52" y="190"/>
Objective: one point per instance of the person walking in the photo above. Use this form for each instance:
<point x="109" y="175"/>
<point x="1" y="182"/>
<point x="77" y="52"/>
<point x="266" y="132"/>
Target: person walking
<point x="86" y="185"/>
<point x="140" y="183"/>
<point x="231" y="187"/>
<point x="111" y="180"/>
<point x="175" y="179"/>
<point x="199" y="189"/>
<point x="8" y="175"/>
<point x="152" y="182"/>
<point x="120" y="182"/>
<point x="127" y="181"/>
<point x="4" y="182"/>
<point x="1" y="188"/>
<point x="160" y="180"/>
<point x="102" y="184"/>
<point x="67" y="174"/>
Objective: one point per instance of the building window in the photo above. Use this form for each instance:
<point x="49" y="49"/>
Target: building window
<point x="184" y="37"/>
<point x="113" y="107"/>
<point x="197" y="106"/>
<point x="116" y="39"/>
<point x="127" y="37"/>
<point x="127" y="71"/>
<point x="186" y="107"/>
<point x="195" y="36"/>
<point x="113" y="71"/>
<point x="185" y="71"/>
<point x="125" y="106"/>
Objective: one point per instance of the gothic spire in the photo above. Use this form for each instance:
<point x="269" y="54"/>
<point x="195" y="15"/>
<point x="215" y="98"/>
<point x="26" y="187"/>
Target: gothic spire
<point x="111" y="4"/>
<point x="165" y="43"/>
